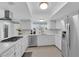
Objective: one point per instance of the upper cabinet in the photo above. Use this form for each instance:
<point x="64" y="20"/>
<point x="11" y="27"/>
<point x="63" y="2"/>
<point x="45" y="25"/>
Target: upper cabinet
<point x="51" y="24"/>
<point x="5" y="14"/>
<point x="1" y="13"/>
<point x="58" y="25"/>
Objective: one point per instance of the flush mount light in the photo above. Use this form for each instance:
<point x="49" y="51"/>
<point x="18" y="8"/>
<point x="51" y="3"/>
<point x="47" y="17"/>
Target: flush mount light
<point x="43" y="5"/>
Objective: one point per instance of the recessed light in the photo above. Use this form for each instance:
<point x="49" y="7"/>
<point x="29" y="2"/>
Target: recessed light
<point x="43" y="5"/>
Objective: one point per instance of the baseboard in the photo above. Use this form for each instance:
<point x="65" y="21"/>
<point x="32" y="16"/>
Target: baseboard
<point x="45" y="45"/>
<point x="32" y="46"/>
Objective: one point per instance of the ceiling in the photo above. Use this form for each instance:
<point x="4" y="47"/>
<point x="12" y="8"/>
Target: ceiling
<point x="71" y="8"/>
<point x="37" y="13"/>
<point x="31" y="10"/>
<point x="55" y="11"/>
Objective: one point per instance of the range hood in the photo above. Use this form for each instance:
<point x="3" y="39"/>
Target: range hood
<point x="5" y="15"/>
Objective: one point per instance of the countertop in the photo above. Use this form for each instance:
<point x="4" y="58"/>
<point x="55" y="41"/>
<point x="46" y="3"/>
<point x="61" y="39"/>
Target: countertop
<point x="41" y="35"/>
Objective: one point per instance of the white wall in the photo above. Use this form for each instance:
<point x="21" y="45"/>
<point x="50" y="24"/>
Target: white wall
<point x="25" y="24"/>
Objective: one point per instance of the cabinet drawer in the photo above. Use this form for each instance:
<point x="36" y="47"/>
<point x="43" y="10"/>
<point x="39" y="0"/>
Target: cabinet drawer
<point x="8" y="53"/>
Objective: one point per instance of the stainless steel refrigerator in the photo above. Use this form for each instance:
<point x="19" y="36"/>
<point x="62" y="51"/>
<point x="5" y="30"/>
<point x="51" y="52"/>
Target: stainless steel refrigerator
<point x="70" y="37"/>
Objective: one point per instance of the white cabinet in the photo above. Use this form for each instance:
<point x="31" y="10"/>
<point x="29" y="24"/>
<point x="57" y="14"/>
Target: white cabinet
<point x="51" y="24"/>
<point x="21" y="46"/>
<point x="43" y="40"/>
<point x="6" y="29"/>
<point x="2" y="13"/>
<point x="18" y="49"/>
<point x="5" y="13"/>
<point x="58" y="40"/>
<point x="58" y="25"/>
<point x="32" y="40"/>
<point x="9" y="53"/>
<point x="24" y="44"/>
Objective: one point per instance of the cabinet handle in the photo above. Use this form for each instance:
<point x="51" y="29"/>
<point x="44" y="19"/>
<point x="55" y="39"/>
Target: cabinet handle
<point x="69" y="38"/>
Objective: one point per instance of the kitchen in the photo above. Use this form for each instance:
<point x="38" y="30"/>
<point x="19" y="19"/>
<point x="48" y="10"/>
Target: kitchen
<point x="16" y="32"/>
<point x="25" y="29"/>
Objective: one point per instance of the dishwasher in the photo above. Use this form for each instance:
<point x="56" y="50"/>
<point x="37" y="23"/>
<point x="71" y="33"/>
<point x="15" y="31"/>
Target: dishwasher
<point x="32" y="40"/>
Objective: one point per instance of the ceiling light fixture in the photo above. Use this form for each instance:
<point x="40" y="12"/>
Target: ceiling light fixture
<point x="43" y="5"/>
<point x="41" y="20"/>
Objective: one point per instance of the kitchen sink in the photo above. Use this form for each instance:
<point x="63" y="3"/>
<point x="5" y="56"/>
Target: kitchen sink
<point x="12" y="39"/>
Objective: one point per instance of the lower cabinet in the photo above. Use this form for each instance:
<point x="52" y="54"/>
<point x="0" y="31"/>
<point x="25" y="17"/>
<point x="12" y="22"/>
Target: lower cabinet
<point x="16" y="50"/>
<point x="24" y="45"/>
<point x="32" y="40"/>
<point x="9" y="53"/>
<point x="58" y="41"/>
<point x="43" y="40"/>
<point x="21" y="46"/>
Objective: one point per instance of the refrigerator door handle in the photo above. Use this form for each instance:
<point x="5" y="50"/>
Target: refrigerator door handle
<point x="69" y="38"/>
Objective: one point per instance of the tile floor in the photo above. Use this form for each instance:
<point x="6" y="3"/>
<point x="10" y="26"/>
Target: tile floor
<point x="45" y="51"/>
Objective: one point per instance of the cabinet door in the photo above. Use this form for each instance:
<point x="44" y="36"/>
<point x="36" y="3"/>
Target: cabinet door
<point x="45" y="40"/>
<point x="23" y="45"/>
<point x="51" y="39"/>
<point x="18" y="49"/>
<point x="9" y="53"/>
<point x="58" y="41"/>
<point x="32" y="40"/>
